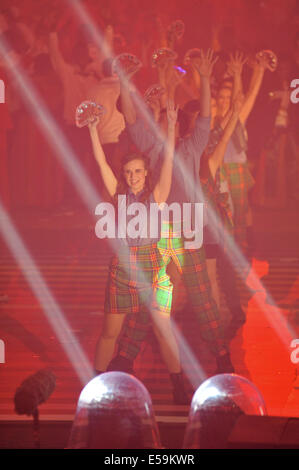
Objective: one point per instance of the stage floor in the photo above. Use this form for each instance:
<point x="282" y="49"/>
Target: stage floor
<point x="74" y="265"/>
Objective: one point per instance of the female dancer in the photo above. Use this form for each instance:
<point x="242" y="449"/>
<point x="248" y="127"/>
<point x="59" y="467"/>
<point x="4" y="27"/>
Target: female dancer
<point x="138" y="280"/>
<point x="235" y="162"/>
<point x="235" y="172"/>
<point x="217" y="198"/>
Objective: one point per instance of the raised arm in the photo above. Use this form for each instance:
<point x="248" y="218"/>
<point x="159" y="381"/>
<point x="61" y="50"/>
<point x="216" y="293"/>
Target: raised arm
<point x="173" y="79"/>
<point x="107" y="174"/>
<point x="162" y="33"/>
<point x="57" y="59"/>
<point x="127" y="105"/>
<point x="143" y="129"/>
<point x="104" y="52"/>
<point x="162" y="188"/>
<point x="234" y="69"/>
<point x="216" y="158"/>
<point x="254" y="88"/>
<point x="108" y="41"/>
<point x="196" y="142"/>
<point x="162" y="77"/>
<point x="204" y="67"/>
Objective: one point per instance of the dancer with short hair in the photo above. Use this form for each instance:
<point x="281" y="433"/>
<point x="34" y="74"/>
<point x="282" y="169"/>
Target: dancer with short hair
<point x="138" y="281"/>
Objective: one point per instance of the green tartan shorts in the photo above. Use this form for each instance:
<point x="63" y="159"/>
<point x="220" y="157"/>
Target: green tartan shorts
<point x="240" y="181"/>
<point x="137" y="277"/>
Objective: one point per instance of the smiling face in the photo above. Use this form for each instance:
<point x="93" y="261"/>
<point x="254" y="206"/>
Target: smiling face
<point x="223" y="101"/>
<point x="135" y="174"/>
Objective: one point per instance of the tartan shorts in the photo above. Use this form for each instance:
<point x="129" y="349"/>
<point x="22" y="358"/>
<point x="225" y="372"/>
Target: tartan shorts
<point x="240" y="181"/>
<point x="138" y="278"/>
<point x="192" y="266"/>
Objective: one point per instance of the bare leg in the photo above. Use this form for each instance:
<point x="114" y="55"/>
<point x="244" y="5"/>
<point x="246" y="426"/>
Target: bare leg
<point x="176" y="280"/>
<point x="106" y="344"/>
<point x="168" y="344"/>
<point x="162" y="325"/>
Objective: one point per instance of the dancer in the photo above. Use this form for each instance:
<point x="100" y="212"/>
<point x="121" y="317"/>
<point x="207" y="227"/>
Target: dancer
<point x="191" y="263"/>
<point x="235" y="172"/>
<point x="235" y="159"/>
<point x="219" y="230"/>
<point x="138" y="281"/>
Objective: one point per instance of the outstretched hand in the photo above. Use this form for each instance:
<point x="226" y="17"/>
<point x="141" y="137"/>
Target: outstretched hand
<point x="205" y="63"/>
<point x="235" y="63"/>
<point x="258" y="62"/>
<point x="125" y="66"/>
<point x="154" y="103"/>
<point x="125" y="75"/>
<point x="262" y="62"/>
<point x="93" y="122"/>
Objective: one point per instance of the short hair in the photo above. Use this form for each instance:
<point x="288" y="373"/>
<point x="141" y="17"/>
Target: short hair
<point x="192" y="106"/>
<point x="185" y="115"/>
<point x="135" y="156"/>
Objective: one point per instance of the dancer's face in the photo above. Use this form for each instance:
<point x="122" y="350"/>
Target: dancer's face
<point x="135" y="174"/>
<point x="223" y="101"/>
